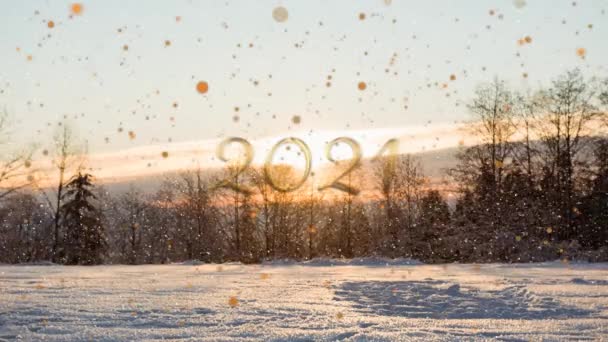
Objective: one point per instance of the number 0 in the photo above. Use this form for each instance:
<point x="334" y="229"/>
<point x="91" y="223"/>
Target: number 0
<point x="267" y="166"/>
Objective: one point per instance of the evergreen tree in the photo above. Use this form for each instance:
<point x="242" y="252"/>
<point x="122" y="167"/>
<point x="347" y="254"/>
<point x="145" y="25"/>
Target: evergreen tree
<point x="434" y="225"/>
<point x="85" y="236"/>
<point x="594" y="207"/>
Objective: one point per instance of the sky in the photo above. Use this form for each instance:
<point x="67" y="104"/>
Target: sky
<point x="124" y="74"/>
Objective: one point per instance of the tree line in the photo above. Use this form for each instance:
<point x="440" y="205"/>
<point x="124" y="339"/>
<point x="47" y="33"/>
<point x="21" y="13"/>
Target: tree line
<point x="533" y="187"/>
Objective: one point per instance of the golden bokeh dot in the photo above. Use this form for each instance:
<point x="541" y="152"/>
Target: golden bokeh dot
<point x="76" y="8"/>
<point x="167" y="43"/>
<point x="165" y="154"/>
<point x="528" y="39"/>
<point x="50" y="24"/>
<point x="280" y="14"/>
<point x="581" y="52"/>
<point x="132" y="135"/>
<point x="361" y="16"/>
<point x="312" y="229"/>
<point x="125" y="47"/>
<point x="202" y="87"/>
<point x="362" y="85"/>
<point x="519" y="3"/>
<point x="452" y="77"/>
<point x="296" y="119"/>
<point x="233" y="302"/>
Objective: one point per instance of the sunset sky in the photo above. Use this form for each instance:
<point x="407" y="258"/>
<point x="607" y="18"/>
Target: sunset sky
<point x="125" y="73"/>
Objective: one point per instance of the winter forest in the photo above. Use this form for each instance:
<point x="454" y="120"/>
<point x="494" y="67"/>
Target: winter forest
<point x="534" y="187"/>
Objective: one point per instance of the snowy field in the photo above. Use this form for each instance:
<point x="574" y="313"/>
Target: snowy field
<point x="347" y="302"/>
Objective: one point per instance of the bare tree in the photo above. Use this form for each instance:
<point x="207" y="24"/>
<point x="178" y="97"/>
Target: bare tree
<point x="15" y="166"/>
<point x="265" y="199"/>
<point x="131" y="212"/>
<point x="493" y="125"/>
<point x="527" y="112"/>
<point x="67" y="159"/>
<point x="196" y="199"/>
<point x="569" y="114"/>
<point x="400" y="183"/>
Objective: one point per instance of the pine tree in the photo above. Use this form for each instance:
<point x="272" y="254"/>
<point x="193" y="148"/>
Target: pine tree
<point x="85" y="236"/>
<point x="595" y="205"/>
<point x="434" y="225"/>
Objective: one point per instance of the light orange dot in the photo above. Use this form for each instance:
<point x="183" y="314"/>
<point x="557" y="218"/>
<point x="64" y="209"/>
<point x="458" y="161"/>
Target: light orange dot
<point x="528" y="39"/>
<point x="202" y="87"/>
<point x="361" y="16"/>
<point x="233" y="302"/>
<point x="362" y="86"/>
<point x="29" y="58"/>
<point x="76" y="8"/>
<point x="581" y="52"/>
<point x="280" y="14"/>
<point x="50" y="24"/>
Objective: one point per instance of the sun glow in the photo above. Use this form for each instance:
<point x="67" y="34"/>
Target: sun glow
<point x="151" y="160"/>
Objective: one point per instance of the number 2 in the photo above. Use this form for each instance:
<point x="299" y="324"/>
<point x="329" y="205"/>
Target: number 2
<point x="240" y="168"/>
<point x="355" y="161"/>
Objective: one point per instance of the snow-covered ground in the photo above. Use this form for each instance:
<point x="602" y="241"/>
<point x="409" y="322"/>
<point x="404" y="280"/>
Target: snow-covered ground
<point x="303" y="302"/>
